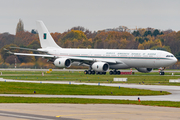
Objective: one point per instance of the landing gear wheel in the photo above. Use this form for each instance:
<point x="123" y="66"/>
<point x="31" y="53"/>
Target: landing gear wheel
<point x="110" y="72"/>
<point x="161" y="73"/>
<point x="89" y="72"/>
<point x="115" y="72"/>
<point x="103" y="73"/>
<point x="93" y="72"/>
<point x="118" y="72"/>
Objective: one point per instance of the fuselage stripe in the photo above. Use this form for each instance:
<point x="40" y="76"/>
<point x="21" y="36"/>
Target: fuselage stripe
<point x="115" y="57"/>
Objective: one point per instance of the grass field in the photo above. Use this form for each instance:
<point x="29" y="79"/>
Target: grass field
<point x="86" y="101"/>
<point x="62" y="89"/>
<point x="28" y="88"/>
<point x="138" y="78"/>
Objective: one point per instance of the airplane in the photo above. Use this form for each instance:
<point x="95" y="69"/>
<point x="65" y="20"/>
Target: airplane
<point x="100" y="60"/>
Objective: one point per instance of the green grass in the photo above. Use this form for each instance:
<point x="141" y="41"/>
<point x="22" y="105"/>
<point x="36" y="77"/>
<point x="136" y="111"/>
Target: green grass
<point x="28" y="88"/>
<point x="86" y="101"/>
<point x="138" y="78"/>
<point x="63" y="89"/>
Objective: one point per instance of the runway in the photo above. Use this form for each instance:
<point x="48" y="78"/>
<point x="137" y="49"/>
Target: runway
<point x="23" y="111"/>
<point x="175" y="90"/>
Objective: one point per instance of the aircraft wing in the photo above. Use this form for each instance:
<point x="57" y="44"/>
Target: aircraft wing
<point x="74" y="59"/>
<point x="92" y="60"/>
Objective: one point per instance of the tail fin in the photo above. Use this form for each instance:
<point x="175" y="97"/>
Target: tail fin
<point x="46" y="39"/>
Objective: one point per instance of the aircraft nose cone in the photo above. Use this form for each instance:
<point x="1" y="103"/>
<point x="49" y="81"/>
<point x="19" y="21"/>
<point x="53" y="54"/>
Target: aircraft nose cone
<point x="176" y="60"/>
<point x="172" y="61"/>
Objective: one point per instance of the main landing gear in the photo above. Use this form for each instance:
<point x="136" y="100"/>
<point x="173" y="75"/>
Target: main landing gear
<point x="89" y="72"/>
<point x="92" y="72"/>
<point x="114" y="72"/>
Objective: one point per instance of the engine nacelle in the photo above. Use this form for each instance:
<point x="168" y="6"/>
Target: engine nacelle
<point x="100" y="66"/>
<point x="144" y="70"/>
<point x="62" y="62"/>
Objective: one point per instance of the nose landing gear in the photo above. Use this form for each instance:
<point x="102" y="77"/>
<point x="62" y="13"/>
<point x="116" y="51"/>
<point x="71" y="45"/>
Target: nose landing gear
<point x="161" y="72"/>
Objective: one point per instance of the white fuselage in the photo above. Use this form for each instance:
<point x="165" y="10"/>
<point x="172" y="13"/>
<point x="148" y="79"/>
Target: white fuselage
<point x="127" y="58"/>
<point x="115" y="58"/>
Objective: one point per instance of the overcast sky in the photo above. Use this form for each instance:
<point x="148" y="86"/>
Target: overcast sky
<point x="61" y="15"/>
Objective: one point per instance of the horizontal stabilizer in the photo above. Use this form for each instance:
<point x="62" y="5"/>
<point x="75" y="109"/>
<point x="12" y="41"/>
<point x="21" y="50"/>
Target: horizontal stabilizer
<point x="38" y="55"/>
<point x="27" y="49"/>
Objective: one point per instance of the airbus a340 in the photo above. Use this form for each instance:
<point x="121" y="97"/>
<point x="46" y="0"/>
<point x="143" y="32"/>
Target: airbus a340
<point x="100" y="60"/>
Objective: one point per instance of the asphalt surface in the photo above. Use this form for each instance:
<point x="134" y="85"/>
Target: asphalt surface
<point x="24" y="111"/>
<point x="175" y="90"/>
<point x="30" y="116"/>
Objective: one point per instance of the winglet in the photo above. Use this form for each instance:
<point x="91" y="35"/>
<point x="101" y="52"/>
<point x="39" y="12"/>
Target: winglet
<point x="46" y="39"/>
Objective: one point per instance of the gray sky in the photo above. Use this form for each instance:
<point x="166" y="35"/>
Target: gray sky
<point x="61" y="15"/>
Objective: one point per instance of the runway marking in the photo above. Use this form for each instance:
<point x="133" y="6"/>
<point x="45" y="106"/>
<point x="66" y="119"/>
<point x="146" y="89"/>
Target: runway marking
<point x="123" y="112"/>
<point x="26" y="116"/>
<point x="22" y="116"/>
<point x="87" y="114"/>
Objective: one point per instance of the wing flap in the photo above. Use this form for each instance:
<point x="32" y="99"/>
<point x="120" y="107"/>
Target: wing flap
<point x="74" y="59"/>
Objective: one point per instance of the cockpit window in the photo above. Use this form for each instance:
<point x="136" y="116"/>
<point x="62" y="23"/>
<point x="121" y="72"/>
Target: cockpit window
<point x="169" y="56"/>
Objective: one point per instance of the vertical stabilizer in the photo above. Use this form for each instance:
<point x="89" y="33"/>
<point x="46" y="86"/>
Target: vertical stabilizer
<point x="45" y="38"/>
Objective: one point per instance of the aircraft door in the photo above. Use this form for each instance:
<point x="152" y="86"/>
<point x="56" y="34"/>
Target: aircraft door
<point x="158" y="59"/>
<point x="158" y="56"/>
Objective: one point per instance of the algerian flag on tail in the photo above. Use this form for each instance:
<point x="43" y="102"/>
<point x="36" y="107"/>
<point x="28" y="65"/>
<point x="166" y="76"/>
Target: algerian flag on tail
<point x="44" y="36"/>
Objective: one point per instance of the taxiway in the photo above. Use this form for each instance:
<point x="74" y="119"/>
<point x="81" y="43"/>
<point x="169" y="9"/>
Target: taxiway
<point x="86" y="112"/>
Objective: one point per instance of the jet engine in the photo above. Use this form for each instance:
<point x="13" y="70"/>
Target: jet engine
<point x="100" y="66"/>
<point x="144" y="70"/>
<point x="62" y="62"/>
